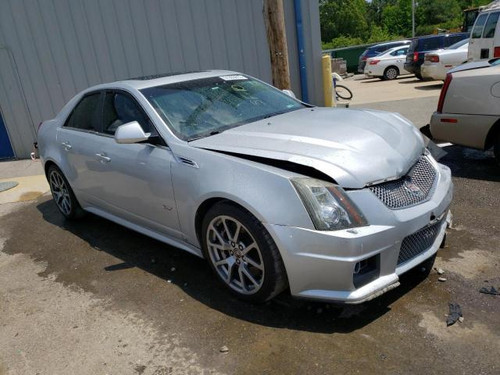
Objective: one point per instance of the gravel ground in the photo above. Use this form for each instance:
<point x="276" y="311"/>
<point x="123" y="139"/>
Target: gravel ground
<point x="91" y="297"/>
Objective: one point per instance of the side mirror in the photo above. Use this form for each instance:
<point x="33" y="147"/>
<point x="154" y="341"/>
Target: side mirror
<point x="289" y="93"/>
<point x="129" y="133"/>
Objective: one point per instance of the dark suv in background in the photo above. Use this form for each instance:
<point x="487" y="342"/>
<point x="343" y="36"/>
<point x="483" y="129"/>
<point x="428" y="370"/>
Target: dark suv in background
<point x="377" y="49"/>
<point x="420" y="46"/>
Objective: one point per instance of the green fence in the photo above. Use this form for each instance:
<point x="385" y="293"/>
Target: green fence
<point x="350" y="54"/>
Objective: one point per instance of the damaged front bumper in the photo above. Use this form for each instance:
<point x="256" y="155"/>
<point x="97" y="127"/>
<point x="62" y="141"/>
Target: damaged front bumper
<point x="356" y="265"/>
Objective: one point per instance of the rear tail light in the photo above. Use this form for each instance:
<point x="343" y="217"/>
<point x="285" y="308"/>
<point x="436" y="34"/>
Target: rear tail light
<point x="364" y="58"/>
<point x="374" y="62"/>
<point x="432" y="58"/>
<point x="496" y="52"/>
<point x="415" y="56"/>
<point x="443" y="92"/>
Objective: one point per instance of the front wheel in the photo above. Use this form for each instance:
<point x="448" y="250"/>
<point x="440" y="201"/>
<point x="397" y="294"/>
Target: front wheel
<point x="242" y="254"/>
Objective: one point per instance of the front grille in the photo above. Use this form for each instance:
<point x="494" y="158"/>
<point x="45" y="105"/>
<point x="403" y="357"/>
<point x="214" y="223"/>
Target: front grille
<point x="418" y="242"/>
<point x="410" y="190"/>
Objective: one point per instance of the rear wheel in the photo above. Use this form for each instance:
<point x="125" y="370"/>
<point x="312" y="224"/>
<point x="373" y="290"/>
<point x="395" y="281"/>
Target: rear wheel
<point x="419" y="76"/>
<point x="242" y="254"/>
<point x="391" y="73"/>
<point x="63" y="194"/>
<point x="496" y="148"/>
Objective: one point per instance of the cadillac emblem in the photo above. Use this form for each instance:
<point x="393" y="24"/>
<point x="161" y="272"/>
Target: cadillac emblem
<point x="413" y="189"/>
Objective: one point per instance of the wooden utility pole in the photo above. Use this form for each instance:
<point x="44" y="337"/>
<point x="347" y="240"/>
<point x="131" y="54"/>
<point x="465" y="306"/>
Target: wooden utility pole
<point x="276" y="37"/>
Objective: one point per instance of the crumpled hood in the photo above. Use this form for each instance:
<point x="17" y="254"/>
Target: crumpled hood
<point x="354" y="147"/>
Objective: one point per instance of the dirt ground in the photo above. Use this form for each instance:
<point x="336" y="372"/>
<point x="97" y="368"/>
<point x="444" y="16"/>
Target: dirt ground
<point x="91" y="297"/>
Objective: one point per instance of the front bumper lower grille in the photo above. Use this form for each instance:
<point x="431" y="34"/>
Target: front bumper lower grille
<point x="412" y="189"/>
<point x="418" y="242"/>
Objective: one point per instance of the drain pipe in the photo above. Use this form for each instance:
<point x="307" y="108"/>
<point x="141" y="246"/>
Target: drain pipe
<point x="300" y="48"/>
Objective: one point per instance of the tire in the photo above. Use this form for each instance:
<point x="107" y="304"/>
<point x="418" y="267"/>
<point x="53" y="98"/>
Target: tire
<point x="419" y="76"/>
<point x="343" y="92"/>
<point x="63" y="195"/>
<point x="252" y="273"/>
<point x="496" y="149"/>
<point x="391" y="73"/>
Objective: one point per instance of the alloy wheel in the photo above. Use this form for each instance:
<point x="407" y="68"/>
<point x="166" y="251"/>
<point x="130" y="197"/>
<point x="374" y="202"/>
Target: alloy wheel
<point x="60" y="192"/>
<point x="235" y="255"/>
<point x="391" y="73"/>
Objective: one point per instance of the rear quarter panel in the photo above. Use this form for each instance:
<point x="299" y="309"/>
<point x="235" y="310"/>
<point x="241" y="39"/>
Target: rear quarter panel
<point x="470" y="92"/>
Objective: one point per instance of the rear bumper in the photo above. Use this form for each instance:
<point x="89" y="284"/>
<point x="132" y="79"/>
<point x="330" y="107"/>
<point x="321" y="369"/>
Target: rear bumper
<point x="433" y="71"/>
<point x="461" y="129"/>
<point x="412" y="68"/>
<point x="323" y="265"/>
<point x="361" y="66"/>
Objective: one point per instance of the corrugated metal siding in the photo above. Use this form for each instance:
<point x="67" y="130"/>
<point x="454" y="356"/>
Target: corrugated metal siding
<point x="56" y="48"/>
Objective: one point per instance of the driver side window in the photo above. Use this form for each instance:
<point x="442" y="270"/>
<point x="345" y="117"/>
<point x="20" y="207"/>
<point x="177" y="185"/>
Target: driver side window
<point x="120" y="109"/>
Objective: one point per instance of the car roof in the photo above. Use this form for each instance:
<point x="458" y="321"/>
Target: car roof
<point x="388" y="51"/>
<point x="440" y="35"/>
<point x="143" y="82"/>
<point x="400" y="42"/>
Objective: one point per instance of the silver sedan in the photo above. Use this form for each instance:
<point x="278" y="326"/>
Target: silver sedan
<point x="333" y="204"/>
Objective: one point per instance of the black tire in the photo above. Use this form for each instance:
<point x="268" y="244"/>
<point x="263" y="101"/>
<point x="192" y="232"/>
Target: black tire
<point x="391" y="72"/>
<point x="496" y="148"/>
<point x="274" y="279"/>
<point x="419" y="76"/>
<point x="343" y="92"/>
<point x="68" y="206"/>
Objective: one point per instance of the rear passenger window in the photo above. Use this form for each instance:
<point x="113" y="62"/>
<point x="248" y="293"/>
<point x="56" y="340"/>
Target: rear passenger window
<point x="121" y="109"/>
<point x="477" y="31"/>
<point x="85" y="115"/>
<point x="491" y="24"/>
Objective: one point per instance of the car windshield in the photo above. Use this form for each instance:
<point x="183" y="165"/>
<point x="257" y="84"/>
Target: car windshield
<point x="495" y="62"/>
<point x="203" y="107"/>
<point x="459" y="44"/>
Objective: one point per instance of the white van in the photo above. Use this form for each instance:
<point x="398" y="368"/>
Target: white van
<point x="484" y="41"/>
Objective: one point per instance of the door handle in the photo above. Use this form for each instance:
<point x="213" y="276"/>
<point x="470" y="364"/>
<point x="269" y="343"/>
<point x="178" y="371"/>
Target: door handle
<point x="103" y="158"/>
<point x="66" y="146"/>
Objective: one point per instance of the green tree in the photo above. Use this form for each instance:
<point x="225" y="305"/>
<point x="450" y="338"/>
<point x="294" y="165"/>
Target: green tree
<point x="436" y="12"/>
<point x="343" y="18"/>
<point x="396" y="18"/>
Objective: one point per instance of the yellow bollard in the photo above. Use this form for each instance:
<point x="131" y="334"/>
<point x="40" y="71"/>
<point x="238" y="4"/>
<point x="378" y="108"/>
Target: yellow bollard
<point x="327" y="80"/>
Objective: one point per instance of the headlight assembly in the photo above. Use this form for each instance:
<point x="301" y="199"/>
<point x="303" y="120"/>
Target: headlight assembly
<point x="328" y="205"/>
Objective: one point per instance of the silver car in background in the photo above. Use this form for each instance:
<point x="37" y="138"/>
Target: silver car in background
<point x="334" y="204"/>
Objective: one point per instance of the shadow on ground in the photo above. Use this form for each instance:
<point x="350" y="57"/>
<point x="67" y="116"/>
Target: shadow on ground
<point x="376" y="79"/>
<point x="469" y="163"/>
<point x="435" y="87"/>
<point x="194" y="277"/>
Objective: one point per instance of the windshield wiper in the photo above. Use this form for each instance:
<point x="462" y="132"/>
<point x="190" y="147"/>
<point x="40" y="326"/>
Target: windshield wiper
<point x="214" y="132"/>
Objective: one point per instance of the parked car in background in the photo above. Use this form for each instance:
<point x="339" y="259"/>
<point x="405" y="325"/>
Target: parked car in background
<point x="468" y="112"/>
<point x="436" y="64"/>
<point x="332" y="204"/>
<point x="388" y="65"/>
<point x="485" y="35"/>
<point x="422" y="45"/>
<point x="376" y="50"/>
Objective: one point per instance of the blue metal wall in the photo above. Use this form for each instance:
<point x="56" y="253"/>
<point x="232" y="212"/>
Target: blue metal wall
<point x="5" y="147"/>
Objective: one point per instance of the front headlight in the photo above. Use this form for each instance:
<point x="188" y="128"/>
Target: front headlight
<point x="328" y="205"/>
